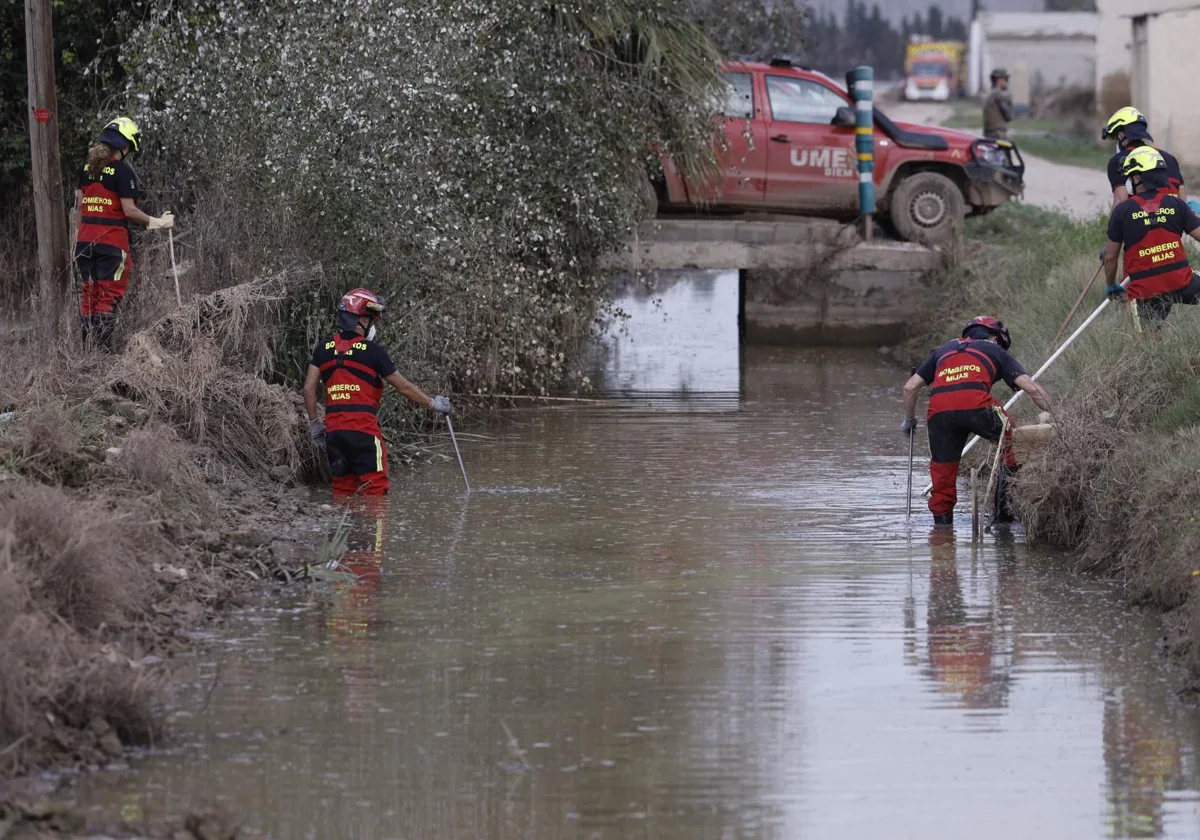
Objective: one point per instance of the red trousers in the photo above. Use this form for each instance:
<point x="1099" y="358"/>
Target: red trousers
<point x="948" y="434"/>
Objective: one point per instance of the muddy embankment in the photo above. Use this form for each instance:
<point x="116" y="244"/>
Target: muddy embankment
<point x="1119" y="486"/>
<point x="140" y="493"/>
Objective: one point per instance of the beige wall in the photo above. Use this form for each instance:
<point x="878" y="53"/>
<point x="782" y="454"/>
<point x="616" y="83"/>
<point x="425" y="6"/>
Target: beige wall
<point x="1114" y="40"/>
<point x="1173" y="66"/>
<point x="1058" y="62"/>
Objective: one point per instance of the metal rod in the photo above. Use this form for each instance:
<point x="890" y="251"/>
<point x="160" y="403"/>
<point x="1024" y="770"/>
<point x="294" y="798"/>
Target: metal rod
<point x="454" y="440"/>
<point x="174" y="267"/>
<point x="1054" y="357"/>
<point x="975" y="504"/>
<point x="912" y="437"/>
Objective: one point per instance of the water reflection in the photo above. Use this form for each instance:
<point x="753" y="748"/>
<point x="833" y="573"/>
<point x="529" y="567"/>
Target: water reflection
<point x="970" y="646"/>
<point x="677" y="333"/>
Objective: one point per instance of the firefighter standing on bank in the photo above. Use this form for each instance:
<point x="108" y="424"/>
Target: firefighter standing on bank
<point x="998" y="109"/>
<point x="960" y="375"/>
<point x="105" y="203"/>
<point x="1150" y="226"/>
<point x="353" y="369"/>
<point x="1128" y="126"/>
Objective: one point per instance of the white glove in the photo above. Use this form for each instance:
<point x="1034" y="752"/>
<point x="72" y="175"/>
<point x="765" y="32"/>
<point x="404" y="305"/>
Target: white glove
<point x="441" y="405"/>
<point x="166" y="220"/>
<point x="316" y="431"/>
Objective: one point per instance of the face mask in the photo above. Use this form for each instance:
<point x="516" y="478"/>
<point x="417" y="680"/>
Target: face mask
<point x="1129" y="185"/>
<point x="371" y="333"/>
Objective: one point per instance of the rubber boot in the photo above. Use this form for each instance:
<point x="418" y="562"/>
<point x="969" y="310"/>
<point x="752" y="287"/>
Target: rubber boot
<point x="943" y="521"/>
<point x="1003" y="508"/>
<point x="102" y="331"/>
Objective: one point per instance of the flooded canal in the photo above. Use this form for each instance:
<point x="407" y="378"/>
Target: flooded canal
<point x="690" y="619"/>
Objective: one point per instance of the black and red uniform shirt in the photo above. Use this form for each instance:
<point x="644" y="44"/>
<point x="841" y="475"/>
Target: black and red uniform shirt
<point x="1117" y="179"/>
<point x="353" y="370"/>
<point x="1150" y="225"/>
<point x="101" y="217"/>
<point x="960" y="374"/>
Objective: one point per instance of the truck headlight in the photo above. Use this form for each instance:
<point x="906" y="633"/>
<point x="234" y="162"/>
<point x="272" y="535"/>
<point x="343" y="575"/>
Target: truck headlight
<point x="991" y="154"/>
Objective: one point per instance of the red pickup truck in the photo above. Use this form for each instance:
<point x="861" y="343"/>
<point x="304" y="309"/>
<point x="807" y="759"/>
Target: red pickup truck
<point x="789" y="147"/>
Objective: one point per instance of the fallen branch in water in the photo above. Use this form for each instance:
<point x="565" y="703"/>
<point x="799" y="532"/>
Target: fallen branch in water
<point x="532" y="397"/>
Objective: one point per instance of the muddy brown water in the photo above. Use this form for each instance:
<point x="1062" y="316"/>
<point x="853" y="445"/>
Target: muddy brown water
<point x="683" y="619"/>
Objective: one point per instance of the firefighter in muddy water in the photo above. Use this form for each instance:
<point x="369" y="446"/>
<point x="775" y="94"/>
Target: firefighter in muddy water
<point x="1129" y="128"/>
<point x="998" y="109"/>
<point x="1150" y="226"/>
<point x="353" y="369"/>
<point x="960" y="375"/>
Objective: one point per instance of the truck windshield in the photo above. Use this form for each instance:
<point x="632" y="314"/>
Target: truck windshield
<point x="930" y="68"/>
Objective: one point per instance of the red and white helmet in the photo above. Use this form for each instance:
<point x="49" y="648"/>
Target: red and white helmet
<point x="362" y="302"/>
<point x="993" y="326"/>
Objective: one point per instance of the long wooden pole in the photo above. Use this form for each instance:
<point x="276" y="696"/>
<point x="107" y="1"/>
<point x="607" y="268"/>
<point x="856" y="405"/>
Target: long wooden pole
<point x="49" y="206"/>
<point x="1066" y="321"/>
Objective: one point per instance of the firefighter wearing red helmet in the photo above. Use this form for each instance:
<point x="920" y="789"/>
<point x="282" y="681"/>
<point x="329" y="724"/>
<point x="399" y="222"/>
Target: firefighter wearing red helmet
<point x="960" y="375"/>
<point x="353" y="369"/>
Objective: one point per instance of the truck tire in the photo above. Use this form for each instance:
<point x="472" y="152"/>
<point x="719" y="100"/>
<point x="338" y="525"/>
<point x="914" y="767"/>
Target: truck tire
<point x="927" y="207"/>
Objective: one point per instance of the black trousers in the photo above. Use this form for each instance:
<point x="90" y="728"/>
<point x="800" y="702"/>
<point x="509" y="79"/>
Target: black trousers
<point x="1153" y="311"/>
<point x="948" y="434"/>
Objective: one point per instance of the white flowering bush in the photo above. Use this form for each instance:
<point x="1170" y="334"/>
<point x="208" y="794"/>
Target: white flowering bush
<point x="471" y="160"/>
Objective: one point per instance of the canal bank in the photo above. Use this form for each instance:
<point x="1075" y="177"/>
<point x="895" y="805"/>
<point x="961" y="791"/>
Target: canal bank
<point x="1116" y="489"/>
<point x="686" y="615"/>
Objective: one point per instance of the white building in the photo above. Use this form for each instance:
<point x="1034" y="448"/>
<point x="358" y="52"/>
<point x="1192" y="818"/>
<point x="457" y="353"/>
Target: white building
<point x="1148" y="56"/>
<point x="1042" y="51"/>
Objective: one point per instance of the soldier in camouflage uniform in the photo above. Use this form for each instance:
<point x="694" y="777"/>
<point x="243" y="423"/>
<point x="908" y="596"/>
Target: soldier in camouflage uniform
<point x="998" y="110"/>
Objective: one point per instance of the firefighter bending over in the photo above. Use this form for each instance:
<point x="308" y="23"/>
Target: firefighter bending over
<point x="960" y="375"/>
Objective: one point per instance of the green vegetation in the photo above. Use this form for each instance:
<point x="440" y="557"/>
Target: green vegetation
<point x="1055" y="138"/>
<point x="1068" y="149"/>
<point x="968" y="114"/>
<point x="1118" y="488"/>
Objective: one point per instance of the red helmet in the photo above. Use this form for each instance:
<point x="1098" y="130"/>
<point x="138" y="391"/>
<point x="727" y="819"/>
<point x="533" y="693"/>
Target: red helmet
<point x="993" y="326"/>
<point x="362" y="302"/>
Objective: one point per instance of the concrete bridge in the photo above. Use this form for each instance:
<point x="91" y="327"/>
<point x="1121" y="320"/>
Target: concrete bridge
<point x="804" y="281"/>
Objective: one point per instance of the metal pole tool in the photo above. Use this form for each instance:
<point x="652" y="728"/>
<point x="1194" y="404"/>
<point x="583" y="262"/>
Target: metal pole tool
<point x="454" y="440"/>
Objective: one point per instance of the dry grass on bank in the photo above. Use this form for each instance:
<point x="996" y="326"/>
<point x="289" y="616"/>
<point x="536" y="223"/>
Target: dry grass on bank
<point x="1120" y="486"/>
<point x="135" y="490"/>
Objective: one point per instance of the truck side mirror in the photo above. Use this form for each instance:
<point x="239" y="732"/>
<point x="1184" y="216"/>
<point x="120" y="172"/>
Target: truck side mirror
<point x="845" y="118"/>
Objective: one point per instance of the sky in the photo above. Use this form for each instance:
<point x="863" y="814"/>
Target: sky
<point x="894" y="10"/>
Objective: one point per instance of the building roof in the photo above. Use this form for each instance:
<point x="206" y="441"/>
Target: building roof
<point x="1035" y="25"/>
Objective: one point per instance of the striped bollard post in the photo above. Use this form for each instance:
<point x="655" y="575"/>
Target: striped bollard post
<point x="863" y="87"/>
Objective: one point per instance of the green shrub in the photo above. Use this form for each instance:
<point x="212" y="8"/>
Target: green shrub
<point x="471" y="161"/>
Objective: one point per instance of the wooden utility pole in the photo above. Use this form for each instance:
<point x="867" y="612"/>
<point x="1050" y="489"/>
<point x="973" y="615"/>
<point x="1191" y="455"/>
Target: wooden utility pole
<point x="49" y="206"/>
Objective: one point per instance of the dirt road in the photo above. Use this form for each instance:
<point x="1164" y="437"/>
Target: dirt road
<point x="1074" y="190"/>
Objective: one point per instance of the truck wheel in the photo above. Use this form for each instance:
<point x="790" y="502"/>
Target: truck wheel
<point x="927" y="207"/>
